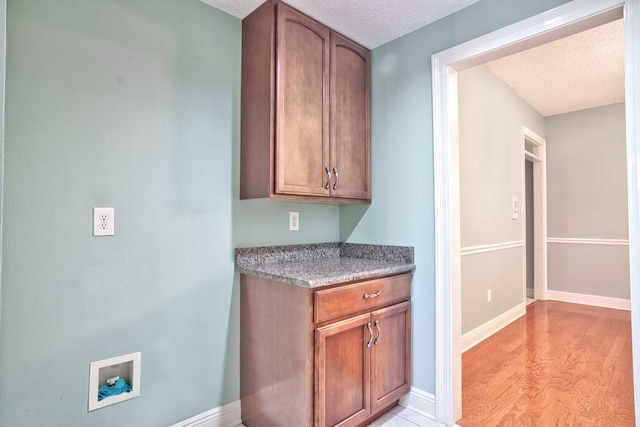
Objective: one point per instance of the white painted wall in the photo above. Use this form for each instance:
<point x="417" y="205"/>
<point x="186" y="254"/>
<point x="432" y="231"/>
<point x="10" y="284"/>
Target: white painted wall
<point x="587" y="199"/>
<point x="3" y="32"/>
<point x="491" y="171"/>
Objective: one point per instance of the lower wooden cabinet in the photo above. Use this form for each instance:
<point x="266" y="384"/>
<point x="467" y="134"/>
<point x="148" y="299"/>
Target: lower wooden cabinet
<point x="390" y="355"/>
<point x="362" y="365"/>
<point x="337" y="356"/>
<point x="343" y="372"/>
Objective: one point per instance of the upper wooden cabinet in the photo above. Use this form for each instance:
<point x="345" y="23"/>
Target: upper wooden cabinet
<point x="302" y="100"/>
<point x="305" y="125"/>
<point x="350" y="117"/>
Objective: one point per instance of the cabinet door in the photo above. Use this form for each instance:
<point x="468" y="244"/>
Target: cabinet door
<point x="343" y="372"/>
<point x="350" y="117"/>
<point x="390" y="355"/>
<point x="302" y="93"/>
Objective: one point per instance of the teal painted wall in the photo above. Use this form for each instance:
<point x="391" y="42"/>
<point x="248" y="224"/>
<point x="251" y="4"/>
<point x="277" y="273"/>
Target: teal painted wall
<point x="402" y="153"/>
<point x="131" y="104"/>
<point x="135" y="105"/>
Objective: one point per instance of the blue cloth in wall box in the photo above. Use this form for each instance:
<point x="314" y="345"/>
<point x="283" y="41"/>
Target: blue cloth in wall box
<point x="119" y="387"/>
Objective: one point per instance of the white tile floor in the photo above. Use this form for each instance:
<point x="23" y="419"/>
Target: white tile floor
<point x="403" y="417"/>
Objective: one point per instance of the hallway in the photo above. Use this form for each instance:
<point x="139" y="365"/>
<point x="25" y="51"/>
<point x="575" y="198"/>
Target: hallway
<point x="560" y="364"/>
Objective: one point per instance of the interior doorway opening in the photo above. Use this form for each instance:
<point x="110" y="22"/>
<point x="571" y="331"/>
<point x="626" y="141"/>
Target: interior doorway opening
<point x="564" y="20"/>
<point x="529" y="235"/>
<point x="535" y="215"/>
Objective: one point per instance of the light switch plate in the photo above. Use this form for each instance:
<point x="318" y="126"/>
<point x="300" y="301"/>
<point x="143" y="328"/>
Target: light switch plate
<point x="515" y="208"/>
<point x="103" y="222"/>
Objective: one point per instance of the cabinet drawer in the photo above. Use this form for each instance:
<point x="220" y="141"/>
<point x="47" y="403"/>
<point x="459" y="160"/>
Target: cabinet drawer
<point x="345" y="300"/>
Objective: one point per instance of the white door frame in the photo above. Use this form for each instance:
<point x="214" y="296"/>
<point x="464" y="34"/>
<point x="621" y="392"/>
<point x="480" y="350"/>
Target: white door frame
<point x="3" y="38"/>
<point x="539" y="159"/>
<point x="564" y="20"/>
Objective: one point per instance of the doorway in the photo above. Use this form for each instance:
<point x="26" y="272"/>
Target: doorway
<point x="529" y="239"/>
<point x="556" y="23"/>
<point x="535" y="215"/>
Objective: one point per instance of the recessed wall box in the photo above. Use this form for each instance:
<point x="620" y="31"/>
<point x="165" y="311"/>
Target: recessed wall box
<point x="126" y="367"/>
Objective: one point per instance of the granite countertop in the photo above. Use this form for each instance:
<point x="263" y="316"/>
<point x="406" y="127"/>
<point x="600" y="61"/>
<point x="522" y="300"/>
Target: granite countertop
<point x="316" y="265"/>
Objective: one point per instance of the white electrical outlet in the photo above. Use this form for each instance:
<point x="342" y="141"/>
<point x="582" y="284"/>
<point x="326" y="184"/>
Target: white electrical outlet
<point x="103" y="222"/>
<point x="294" y="221"/>
<point x="489" y="295"/>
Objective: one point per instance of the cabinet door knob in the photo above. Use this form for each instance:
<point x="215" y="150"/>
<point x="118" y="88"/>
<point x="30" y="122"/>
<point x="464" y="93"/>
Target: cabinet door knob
<point x="370" y="335"/>
<point x="326" y="186"/>
<point x="367" y="296"/>
<point x="335" y="183"/>
<point x="377" y="323"/>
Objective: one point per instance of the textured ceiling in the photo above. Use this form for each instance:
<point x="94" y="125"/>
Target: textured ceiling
<point x="368" y="22"/>
<point x="581" y="71"/>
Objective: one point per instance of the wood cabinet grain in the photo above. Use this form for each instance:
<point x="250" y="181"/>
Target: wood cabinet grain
<point x="302" y="132"/>
<point x="343" y="373"/>
<point x="344" y="370"/>
<point x="305" y="110"/>
<point x="350" y="116"/>
<point x="390" y="355"/>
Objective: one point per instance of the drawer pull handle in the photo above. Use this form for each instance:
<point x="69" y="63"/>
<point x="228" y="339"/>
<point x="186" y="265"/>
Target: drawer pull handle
<point x="326" y="186"/>
<point x="370" y="335"/>
<point x="367" y="296"/>
<point x="335" y="173"/>
<point x="377" y="323"/>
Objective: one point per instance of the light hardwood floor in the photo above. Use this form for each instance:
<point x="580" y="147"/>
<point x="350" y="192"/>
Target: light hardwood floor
<point x="560" y="364"/>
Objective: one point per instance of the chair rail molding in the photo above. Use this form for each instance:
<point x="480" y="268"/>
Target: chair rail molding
<point x="492" y="247"/>
<point x="581" y="241"/>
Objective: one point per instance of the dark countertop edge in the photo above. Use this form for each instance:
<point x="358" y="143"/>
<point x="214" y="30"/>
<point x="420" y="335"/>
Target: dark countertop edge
<point x="331" y="280"/>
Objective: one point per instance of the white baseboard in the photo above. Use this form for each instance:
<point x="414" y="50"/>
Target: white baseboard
<point x="484" y="331"/>
<point x="224" y="416"/>
<point x="421" y="402"/>
<point x="229" y="415"/>
<point x="598" y="301"/>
